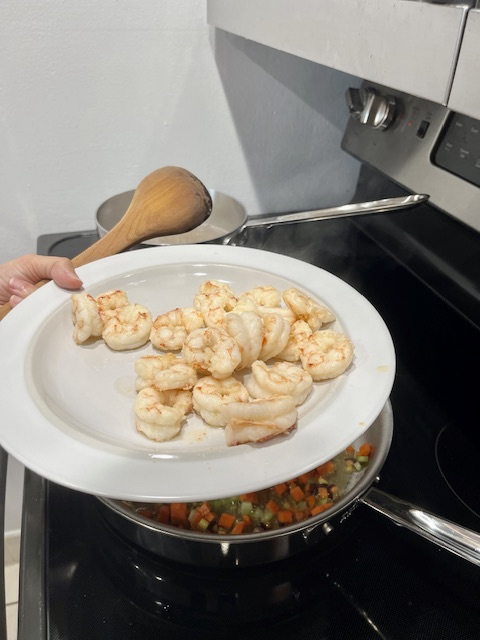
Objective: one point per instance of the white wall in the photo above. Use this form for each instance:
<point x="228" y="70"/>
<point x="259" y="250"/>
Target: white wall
<point x="95" y="95"/>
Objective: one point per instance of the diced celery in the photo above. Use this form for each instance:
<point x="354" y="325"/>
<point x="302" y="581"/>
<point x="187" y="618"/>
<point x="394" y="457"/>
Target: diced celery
<point x="246" y="508"/>
<point x="267" y="516"/>
<point x="362" y="459"/>
<point x="202" y="525"/>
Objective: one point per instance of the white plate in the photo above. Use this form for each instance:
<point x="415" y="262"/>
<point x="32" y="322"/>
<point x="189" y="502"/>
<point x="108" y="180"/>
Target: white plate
<point x="67" y="410"/>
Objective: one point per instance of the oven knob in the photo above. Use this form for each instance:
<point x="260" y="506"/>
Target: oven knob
<point x="371" y="108"/>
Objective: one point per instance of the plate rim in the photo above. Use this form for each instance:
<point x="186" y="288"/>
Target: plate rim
<point x="50" y="298"/>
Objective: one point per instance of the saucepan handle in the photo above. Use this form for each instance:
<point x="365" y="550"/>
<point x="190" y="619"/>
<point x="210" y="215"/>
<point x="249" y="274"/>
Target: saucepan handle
<point x="448" y="535"/>
<point x="356" y="209"/>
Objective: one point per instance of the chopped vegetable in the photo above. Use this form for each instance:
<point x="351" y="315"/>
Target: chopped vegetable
<point x="308" y="495"/>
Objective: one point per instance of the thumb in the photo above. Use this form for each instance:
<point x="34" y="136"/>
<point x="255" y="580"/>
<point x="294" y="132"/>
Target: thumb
<point x="63" y="274"/>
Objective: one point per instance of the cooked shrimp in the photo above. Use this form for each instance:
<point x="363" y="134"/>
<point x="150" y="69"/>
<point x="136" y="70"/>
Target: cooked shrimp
<point x="213" y="300"/>
<point x="299" y="332"/>
<point x="160" y="414"/>
<point x="109" y="302"/>
<point x="305" y="308"/>
<point x="283" y="378"/>
<point x="275" y="335"/>
<point x="258" y="420"/>
<point x="326" y="354"/>
<point x="286" y="313"/>
<point x="246" y="328"/>
<point x="210" y="395"/>
<point x="87" y="322"/>
<point x="164" y="373"/>
<point x="213" y="350"/>
<point x="264" y="296"/>
<point x="129" y="328"/>
<point x="170" y="329"/>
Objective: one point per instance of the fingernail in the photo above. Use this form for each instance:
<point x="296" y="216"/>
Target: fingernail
<point x="17" y="285"/>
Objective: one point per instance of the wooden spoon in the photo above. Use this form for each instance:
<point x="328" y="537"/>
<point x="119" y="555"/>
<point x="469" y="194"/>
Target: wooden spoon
<point x="169" y="200"/>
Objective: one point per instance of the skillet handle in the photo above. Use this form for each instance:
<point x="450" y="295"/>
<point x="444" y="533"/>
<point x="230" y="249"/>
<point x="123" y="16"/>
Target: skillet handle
<point x="448" y="535"/>
<point x="346" y="210"/>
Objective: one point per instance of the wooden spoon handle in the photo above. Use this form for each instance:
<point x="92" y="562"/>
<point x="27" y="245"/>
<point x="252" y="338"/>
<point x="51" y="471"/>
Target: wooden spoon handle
<point x="168" y="201"/>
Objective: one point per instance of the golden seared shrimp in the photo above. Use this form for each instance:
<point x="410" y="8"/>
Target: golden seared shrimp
<point x="87" y="322"/>
<point x="283" y="378"/>
<point x="245" y="303"/>
<point x="212" y="349"/>
<point x="259" y="420"/>
<point x="170" y="329"/>
<point x="129" y="328"/>
<point x="110" y="301"/>
<point x="213" y="300"/>
<point x="263" y="296"/>
<point x="299" y="332"/>
<point x="286" y="313"/>
<point x="326" y="354"/>
<point x="305" y="308"/>
<point x="164" y="373"/>
<point x="246" y="328"/>
<point x="210" y="395"/>
<point x="159" y="415"/>
<point x="276" y="331"/>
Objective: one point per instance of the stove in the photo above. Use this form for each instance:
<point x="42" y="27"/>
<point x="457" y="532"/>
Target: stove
<point x="368" y="579"/>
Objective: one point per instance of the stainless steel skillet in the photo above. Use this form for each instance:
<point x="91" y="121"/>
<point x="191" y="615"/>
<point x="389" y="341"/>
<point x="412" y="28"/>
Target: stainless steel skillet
<point x="229" y="218"/>
<point x="213" y="550"/>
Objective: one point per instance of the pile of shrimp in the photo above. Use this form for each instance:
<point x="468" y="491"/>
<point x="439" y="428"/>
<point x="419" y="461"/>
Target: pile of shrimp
<point x="243" y="363"/>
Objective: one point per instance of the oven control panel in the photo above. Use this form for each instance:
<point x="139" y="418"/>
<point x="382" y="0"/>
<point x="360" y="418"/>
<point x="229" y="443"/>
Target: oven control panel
<point x="458" y="148"/>
<point x="419" y="144"/>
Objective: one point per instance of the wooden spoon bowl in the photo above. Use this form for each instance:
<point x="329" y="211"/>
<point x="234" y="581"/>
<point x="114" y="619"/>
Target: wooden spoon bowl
<point x="167" y="201"/>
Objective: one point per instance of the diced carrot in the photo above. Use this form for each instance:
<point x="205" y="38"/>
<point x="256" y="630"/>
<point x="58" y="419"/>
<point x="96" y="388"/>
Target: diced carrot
<point x="247" y="519"/>
<point x="350" y="450"/>
<point x="204" y="509"/>
<point x="322" y="492"/>
<point x="272" y="506"/>
<point x="146" y="512"/>
<point x="280" y="488"/>
<point x="326" y="469"/>
<point x="305" y="477"/>
<point x="239" y="527"/>
<point x="178" y="513"/>
<point x="299" y="515"/>
<point x="297" y="493"/>
<point x="226" y="520"/>
<point x="285" y="516"/>
<point x="365" y="450"/>
<point x="321" y="507"/>
<point x="163" y="513"/>
<point x="209" y="516"/>
<point x="250" y="497"/>
<point x="311" y="501"/>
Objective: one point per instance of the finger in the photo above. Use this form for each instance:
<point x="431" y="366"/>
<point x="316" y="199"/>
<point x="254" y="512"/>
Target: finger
<point x="14" y="300"/>
<point x="61" y="271"/>
<point x="20" y="288"/>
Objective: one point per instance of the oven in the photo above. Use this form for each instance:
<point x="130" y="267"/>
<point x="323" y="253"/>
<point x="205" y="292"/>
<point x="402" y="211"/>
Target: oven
<point x="367" y="578"/>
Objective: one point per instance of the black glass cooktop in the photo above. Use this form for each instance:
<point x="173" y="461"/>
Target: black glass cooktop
<point x="368" y="579"/>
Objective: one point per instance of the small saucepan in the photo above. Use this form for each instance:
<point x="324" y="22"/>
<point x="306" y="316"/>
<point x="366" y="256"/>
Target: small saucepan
<point x="229" y="218"/>
<point x="218" y="551"/>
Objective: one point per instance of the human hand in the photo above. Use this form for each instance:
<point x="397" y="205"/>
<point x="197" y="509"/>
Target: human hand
<point x="18" y="277"/>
